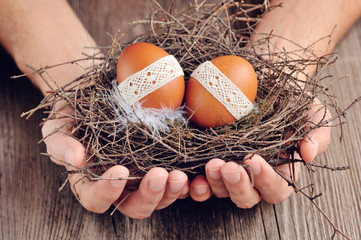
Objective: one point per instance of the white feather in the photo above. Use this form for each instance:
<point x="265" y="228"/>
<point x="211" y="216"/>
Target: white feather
<point x="157" y="120"/>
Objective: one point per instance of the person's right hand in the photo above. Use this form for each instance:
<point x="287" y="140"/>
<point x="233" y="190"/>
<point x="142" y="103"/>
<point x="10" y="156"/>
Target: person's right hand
<point x="157" y="190"/>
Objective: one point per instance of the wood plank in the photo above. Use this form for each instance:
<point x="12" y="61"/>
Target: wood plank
<point x="341" y="198"/>
<point x="32" y="208"/>
<point x="102" y="17"/>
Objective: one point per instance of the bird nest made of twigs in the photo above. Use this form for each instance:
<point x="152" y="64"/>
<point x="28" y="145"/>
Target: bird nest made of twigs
<point x="274" y="128"/>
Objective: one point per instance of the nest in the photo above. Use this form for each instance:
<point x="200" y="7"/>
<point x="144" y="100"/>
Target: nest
<point x="199" y="33"/>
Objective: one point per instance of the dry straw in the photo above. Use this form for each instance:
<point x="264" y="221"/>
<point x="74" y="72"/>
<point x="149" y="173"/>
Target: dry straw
<point x="197" y="34"/>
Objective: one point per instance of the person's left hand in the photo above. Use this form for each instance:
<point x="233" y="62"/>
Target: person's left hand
<point x="229" y="179"/>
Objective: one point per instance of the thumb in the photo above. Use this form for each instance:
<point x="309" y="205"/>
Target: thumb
<point x="317" y="140"/>
<point x="63" y="148"/>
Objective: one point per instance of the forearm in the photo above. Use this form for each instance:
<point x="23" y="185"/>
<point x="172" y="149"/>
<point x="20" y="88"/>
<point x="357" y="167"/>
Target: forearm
<point x="41" y="33"/>
<point x="305" y="22"/>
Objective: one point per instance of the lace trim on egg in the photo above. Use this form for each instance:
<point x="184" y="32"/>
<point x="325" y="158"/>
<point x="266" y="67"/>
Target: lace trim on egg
<point x="149" y="79"/>
<point x="223" y="89"/>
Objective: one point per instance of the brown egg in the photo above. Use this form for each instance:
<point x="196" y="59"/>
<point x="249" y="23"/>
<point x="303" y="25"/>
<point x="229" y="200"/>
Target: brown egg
<point x="135" y="77"/>
<point x="221" y="91"/>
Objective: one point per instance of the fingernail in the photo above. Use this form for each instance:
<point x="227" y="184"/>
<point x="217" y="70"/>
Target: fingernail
<point x="315" y="149"/>
<point x="231" y="176"/>
<point x="175" y="186"/>
<point x="69" y="156"/>
<point x="199" y="190"/>
<point x="117" y="182"/>
<point x="215" y="174"/>
<point x="157" y="183"/>
<point x="255" y="166"/>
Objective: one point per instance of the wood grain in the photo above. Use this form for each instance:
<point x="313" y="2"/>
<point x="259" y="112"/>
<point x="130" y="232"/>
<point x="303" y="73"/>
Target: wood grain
<point x="32" y="208"/>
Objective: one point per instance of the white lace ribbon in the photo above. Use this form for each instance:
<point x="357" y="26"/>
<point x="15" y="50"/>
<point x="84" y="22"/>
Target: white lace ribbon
<point x="223" y="89"/>
<point x="149" y="79"/>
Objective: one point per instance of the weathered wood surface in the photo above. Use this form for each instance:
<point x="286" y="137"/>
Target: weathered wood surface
<point x="32" y="208"/>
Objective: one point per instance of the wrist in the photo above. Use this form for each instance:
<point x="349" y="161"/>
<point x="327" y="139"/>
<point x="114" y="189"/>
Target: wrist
<point x="44" y="33"/>
<point x="55" y="67"/>
<point x="305" y="22"/>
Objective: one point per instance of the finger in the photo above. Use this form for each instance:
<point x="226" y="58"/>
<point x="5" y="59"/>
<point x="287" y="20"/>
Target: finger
<point x="214" y="178"/>
<point x="200" y="190"/>
<point x="317" y="140"/>
<point x="239" y="185"/>
<point x="185" y="192"/>
<point x="98" y="196"/>
<point x="142" y="202"/>
<point x="177" y="180"/>
<point x="63" y="122"/>
<point x="64" y="149"/>
<point x="272" y="187"/>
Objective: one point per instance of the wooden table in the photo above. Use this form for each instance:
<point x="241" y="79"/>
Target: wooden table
<point x="32" y="208"/>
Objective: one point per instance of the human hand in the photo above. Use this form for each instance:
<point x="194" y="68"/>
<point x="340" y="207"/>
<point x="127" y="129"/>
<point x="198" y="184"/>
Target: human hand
<point x="157" y="190"/>
<point x="229" y="179"/>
